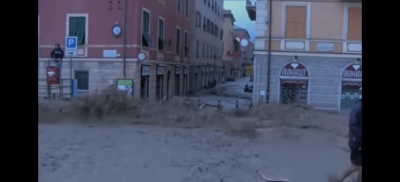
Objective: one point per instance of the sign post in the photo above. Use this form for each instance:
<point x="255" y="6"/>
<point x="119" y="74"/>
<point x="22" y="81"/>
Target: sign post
<point x="71" y="49"/>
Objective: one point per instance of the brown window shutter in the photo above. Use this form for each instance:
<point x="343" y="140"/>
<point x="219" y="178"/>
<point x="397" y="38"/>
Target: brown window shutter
<point x="354" y="24"/>
<point x="296" y="21"/>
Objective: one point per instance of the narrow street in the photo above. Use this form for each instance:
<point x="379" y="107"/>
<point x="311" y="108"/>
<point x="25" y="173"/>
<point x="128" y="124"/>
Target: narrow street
<point x="228" y="94"/>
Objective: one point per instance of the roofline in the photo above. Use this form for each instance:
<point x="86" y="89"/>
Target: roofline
<point x="229" y="14"/>
<point x="244" y="30"/>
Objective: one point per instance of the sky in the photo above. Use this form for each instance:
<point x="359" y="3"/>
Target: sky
<point x="238" y="8"/>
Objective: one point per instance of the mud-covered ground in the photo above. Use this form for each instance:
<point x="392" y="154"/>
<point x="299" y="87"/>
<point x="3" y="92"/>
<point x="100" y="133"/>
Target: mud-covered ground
<point x="90" y="153"/>
<point x="110" y="138"/>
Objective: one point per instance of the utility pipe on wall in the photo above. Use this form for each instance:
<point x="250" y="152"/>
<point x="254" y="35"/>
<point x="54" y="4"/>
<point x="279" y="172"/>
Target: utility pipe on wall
<point x="124" y="36"/>
<point x="269" y="51"/>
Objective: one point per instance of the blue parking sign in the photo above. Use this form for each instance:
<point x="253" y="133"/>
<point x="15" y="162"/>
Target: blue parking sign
<point x="71" y="46"/>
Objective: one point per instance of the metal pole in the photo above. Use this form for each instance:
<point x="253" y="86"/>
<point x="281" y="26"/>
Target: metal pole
<point x="61" y="84"/>
<point x="70" y="75"/>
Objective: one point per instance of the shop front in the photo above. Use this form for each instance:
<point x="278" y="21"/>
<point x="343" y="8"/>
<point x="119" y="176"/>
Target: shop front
<point x="351" y="83"/>
<point x="294" y="84"/>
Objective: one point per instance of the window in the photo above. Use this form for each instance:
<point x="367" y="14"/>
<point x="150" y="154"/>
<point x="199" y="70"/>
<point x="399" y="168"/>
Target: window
<point x="212" y="5"/>
<point x="146" y="39"/>
<point x="204" y="22"/>
<point x="217" y="52"/>
<point x="77" y="27"/>
<point x="204" y="50"/>
<point x="208" y="26"/>
<point x="160" y="34"/>
<point x="218" y="11"/>
<point x="198" y="19"/>
<point x="212" y="28"/>
<point x="178" y="40"/>
<point x="186" y="8"/>
<point x="178" y="6"/>
<point x="197" y="49"/>
<point x="205" y="1"/>
<point x="215" y="7"/>
<point x="221" y="34"/>
<point x="354" y="24"/>
<point x="295" y="25"/>
<point x="83" y="80"/>
<point x="208" y="3"/>
<point x="185" y="41"/>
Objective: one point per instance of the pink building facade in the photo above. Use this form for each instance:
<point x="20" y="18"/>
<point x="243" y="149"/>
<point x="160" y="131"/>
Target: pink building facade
<point x="158" y="28"/>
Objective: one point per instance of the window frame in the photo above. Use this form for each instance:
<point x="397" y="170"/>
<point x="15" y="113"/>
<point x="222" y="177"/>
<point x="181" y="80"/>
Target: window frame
<point x="87" y="85"/>
<point x="144" y="37"/>
<point x="186" y="42"/>
<point x="178" y="40"/>
<point x="161" y="34"/>
<point x="178" y="6"/>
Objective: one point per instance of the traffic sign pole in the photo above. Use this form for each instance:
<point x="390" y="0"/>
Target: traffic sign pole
<point x="70" y="71"/>
<point x="71" y="49"/>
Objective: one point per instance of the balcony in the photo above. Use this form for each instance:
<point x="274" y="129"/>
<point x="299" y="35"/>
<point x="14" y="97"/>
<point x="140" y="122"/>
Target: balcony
<point x="251" y="9"/>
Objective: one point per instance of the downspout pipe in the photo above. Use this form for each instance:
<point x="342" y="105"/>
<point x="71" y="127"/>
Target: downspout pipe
<point x="269" y="51"/>
<point x="124" y="36"/>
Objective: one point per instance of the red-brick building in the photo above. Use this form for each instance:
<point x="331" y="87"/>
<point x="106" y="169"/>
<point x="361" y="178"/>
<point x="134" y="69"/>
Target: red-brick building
<point x="159" y="28"/>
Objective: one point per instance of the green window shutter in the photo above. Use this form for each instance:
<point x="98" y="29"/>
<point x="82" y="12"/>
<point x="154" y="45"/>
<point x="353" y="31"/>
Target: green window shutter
<point x="81" y="21"/>
<point x="73" y="26"/>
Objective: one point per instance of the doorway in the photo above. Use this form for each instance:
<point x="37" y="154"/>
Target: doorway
<point x="177" y="84"/>
<point x="168" y="78"/>
<point x="144" y="82"/>
<point x="185" y="83"/>
<point x="294" y="92"/>
<point x="350" y="95"/>
<point x="196" y="81"/>
<point x="203" y="80"/>
<point x="160" y="83"/>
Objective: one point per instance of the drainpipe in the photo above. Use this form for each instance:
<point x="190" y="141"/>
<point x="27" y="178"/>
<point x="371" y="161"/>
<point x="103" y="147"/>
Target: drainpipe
<point x="269" y="51"/>
<point x="124" y="36"/>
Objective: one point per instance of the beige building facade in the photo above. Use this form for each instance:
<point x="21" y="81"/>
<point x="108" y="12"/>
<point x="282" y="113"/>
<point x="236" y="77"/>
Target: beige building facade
<point x="206" y="45"/>
<point x="312" y="54"/>
<point x="230" y="45"/>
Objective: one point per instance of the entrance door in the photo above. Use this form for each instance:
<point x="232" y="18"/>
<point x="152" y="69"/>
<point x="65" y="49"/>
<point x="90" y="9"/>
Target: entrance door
<point x="293" y="92"/>
<point x="196" y="81"/>
<point x="185" y="83"/>
<point x="159" y="87"/>
<point x="177" y="84"/>
<point x="168" y="78"/>
<point x="144" y="87"/>
<point x="350" y="95"/>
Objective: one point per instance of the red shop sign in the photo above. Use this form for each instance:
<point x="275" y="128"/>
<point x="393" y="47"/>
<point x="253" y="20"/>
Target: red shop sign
<point x="353" y="71"/>
<point x="294" y="69"/>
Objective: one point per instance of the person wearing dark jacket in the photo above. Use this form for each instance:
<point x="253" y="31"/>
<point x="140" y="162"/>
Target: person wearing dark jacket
<point x="355" y="141"/>
<point x="57" y="52"/>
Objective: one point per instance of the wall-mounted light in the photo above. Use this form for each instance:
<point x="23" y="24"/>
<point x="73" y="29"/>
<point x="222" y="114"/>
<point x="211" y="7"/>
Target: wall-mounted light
<point x="295" y="58"/>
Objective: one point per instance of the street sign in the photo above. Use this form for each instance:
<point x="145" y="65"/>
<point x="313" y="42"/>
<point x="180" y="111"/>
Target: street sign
<point x="141" y="56"/>
<point x="71" y="46"/>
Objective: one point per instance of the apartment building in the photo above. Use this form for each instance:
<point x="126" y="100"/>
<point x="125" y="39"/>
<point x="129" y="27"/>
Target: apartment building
<point x="231" y="46"/>
<point x="206" y="44"/>
<point x="243" y="36"/>
<point x="157" y="28"/>
<point x="307" y="52"/>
